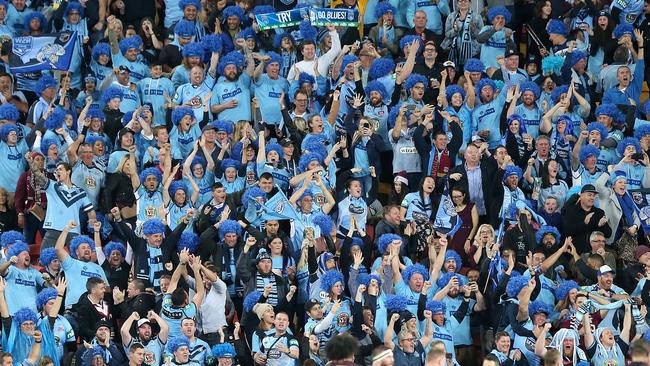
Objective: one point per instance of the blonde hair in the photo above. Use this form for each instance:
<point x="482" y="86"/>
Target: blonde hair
<point x="239" y="130"/>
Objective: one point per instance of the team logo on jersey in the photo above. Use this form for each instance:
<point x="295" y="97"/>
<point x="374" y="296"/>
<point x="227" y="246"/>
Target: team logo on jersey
<point x="149" y="358"/>
<point x="150" y="212"/>
<point x="90" y="182"/>
<point x="320" y="199"/>
<point x="196" y="102"/>
<point x="343" y="319"/>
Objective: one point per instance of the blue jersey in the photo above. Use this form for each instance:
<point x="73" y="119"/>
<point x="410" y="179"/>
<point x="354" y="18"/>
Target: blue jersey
<point x="100" y="71"/>
<point x="235" y="186"/>
<point x="90" y="178"/>
<point x="78" y="273"/>
<point x="148" y="203"/>
<point x="173" y="316"/>
<point x="21" y="288"/>
<point x="352" y="207"/>
<point x="494" y="47"/>
<point x="531" y="118"/>
<point x="444" y="333"/>
<point x="138" y="69"/>
<point x="434" y="10"/>
<point x="526" y="345"/>
<point x="192" y="95"/>
<point x="175" y="214"/>
<point x="324" y="336"/>
<point x="12" y="164"/>
<point x="153" y="91"/>
<point x="63" y="333"/>
<point x="130" y="98"/>
<point x="153" y="351"/>
<point x="342" y="322"/>
<point x="63" y="205"/>
<point x="630" y="10"/>
<point x="460" y="331"/>
<point x="487" y="117"/>
<point x="268" y="92"/>
<point x="173" y="12"/>
<point x="185" y="141"/>
<point x="180" y="76"/>
<point x="239" y="90"/>
<point x="635" y="175"/>
<point x="415" y="208"/>
<point x="205" y="188"/>
<point x="402" y="288"/>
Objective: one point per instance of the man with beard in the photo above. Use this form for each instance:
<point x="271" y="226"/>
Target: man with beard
<point x="581" y="218"/>
<point x="233" y="88"/>
<point x="196" y="93"/>
<point x="270" y="87"/>
<point x="505" y="191"/>
<point x="262" y="276"/>
<point x="530" y="112"/>
<point x="100" y="337"/>
<point x="153" y="346"/>
<point x="137" y="299"/>
<point x="541" y="262"/>
<point x="486" y="117"/>
<point x="21" y="278"/>
<point x="78" y="264"/>
<point x="607" y="290"/>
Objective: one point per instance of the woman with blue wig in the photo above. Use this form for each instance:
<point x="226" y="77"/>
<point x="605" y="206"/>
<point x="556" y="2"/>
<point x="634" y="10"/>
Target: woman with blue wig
<point x="177" y="203"/>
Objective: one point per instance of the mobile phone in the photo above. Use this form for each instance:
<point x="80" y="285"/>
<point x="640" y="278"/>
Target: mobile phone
<point x="411" y="107"/>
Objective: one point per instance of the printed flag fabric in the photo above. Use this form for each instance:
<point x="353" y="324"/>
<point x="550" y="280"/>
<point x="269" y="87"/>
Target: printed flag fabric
<point x="447" y="220"/>
<point x="45" y="52"/>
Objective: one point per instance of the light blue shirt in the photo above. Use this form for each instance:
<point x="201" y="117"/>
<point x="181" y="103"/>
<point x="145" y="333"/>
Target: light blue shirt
<point x="78" y="273"/>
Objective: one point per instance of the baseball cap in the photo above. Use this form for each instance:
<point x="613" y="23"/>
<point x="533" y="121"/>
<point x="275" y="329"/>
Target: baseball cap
<point x="588" y="188"/>
<point x="124" y="69"/>
<point x="641" y="250"/>
<point x="477" y="138"/>
<point x="511" y="50"/>
<point x="531" y="59"/>
<point x="286" y="142"/>
<point x="143" y="321"/>
<point x="449" y="64"/>
<point x="605" y="269"/>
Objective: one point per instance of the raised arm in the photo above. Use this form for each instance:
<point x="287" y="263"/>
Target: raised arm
<point x="200" y="289"/>
<point x="59" y="247"/>
<point x="524" y="300"/>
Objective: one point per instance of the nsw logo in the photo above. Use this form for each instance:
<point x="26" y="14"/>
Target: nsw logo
<point x="22" y="45"/>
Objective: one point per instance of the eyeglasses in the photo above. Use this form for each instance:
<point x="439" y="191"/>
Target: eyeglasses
<point x="409" y="339"/>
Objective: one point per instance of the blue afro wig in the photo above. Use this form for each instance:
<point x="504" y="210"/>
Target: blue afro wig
<point x="194" y="49"/>
<point x="407" y="40"/>
<point x="277" y="41"/>
<point x="414" y="79"/>
<point x="530" y="86"/>
<point x="474" y="65"/>
<point x="555" y="26"/>
<point x="10" y="237"/>
<point x="112" y="246"/>
<point x="512" y="170"/>
<point x="642" y="131"/>
<point x="563" y="290"/>
<point x="453" y="89"/>
<point x="182" y="4"/>
<point x="92" y="139"/>
<point x="251" y="194"/>
<point x="275" y="147"/>
<point x="330" y="278"/>
<point x="37" y="16"/>
<point x="24" y="315"/>
<point x="251" y="299"/>
<point x="199" y="160"/>
<point x="6" y="129"/>
<point x="47" y="256"/>
<point x="547" y="229"/>
<point x="263" y="9"/>
<point x="9" y="112"/>
<point x="495" y="11"/>
<point x="112" y="93"/>
<point x="446" y="277"/>
<point x="409" y="271"/>
<point x="150" y="171"/>
<point x="436" y="307"/>
<point x="230" y="163"/>
<point x="587" y="151"/>
<point x="274" y="58"/>
<point x="376" y="86"/>
<point x="452" y="254"/>
<point x="17" y="248"/>
<point x="576" y="56"/>
<point x="129" y="43"/>
<point x="233" y="11"/>
<point x="597" y="126"/>
<point x="306" y="78"/>
<point x="483" y="83"/>
<point x="395" y="303"/>
<point x="94" y="112"/>
<point x="180" y="112"/>
<point x="229" y="59"/>
<point x="539" y="307"/>
<point x="78" y="241"/>
<point x="175" y="186"/>
<point x="316" y="146"/>
<point x="229" y="227"/>
<point x="153" y="226"/>
<point x="223" y="350"/>
<point x="247" y="33"/>
<point x="44" y="82"/>
<point x="324" y="222"/>
<point x="74" y="6"/>
<point x="44" y="296"/>
<point x="385" y="240"/>
<point x="347" y="60"/>
<point x="515" y="285"/>
<point x="356" y="242"/>
<point x="394" y="113"/>
<point x="176" y="343"/>
<point x="628" y="141"/>
<point x="212" y="43"/>
<point x="101" y="48"/>
<point x="380" y="67"/>
<point x="365" y="279"/>
<point x="189" y="241"/>
<point x="623" y="29"/>
<point x="557" y="93"/>
<point x="305" y="159"/>
<point x="185" y="29"/>
<point x="223" y="125"/>
<point x="383" y="8"/>
<point x="609" y="110"/>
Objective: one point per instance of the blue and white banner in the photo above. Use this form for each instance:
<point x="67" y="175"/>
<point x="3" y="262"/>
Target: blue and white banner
<point x="641" y="198"/>
<point x="45" y="52"/>
<point x="277" y="208"/>
<point x="281" y="19"/>
<point x="447" y="220"/>
<point x="339" y="17"/>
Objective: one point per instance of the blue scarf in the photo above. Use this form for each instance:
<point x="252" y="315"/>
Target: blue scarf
<point x="628" y="207"/>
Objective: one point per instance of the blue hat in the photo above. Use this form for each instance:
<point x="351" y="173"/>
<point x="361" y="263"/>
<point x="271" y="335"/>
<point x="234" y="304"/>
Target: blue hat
<point x="47" y="256"/>
<point x="495" y="11"/>
<point x="185" y="28"/>
<point x="512" y="170"/>
<point x="153" y="226"/>
<point x="212" y="42"/>
<point x="189" y="241"/>
<point x="92" y="139"/>
<point x="576" y="56"/>
<point x="10" y="237"/>
<point x="177" y="342"/>
<point x="383" y="8"/>
<point x="179" y="113"/>
<point x="17" y="248"/>
<point x="628" y="141"/>
<point x="515" y="285"/>
<point x="330" y="278"/>
<point x="229" y="227"/>
<point x="547" y="229"/>
<point x="555" y="26"/>
<point x="380" y="67"/>
<point x="44" y="82"/>
<point x="277" y="41"/>
<point x="251" y="299"/>
<point x="409" y="271"/>
<point x="453" y="89"/>
<point x="623" y="29"/>
<point x="182" y="4"/>
<point x="474" y="65"/>
<point x="552" y="65"/>
<point x="587" y="151"/>
<point x="223" y="350"/>
<point x="324" y="222"/>
<point x="597" y="126"/>
<point x="112" y="93"/>
<point x="9" y="112"/>
<point x="35" y="15"/>
<point x="129" y="43"/>
<point x="44" y="296"/>
<point x="6" y="129"/>
<point x="530" y="86"/>
<point x="436" y="307"/>
<point x="376" y="86"/>
<point x="101" y="48"/>
<point x="74" y="6"/>
<point x="414" y="79"/>
<point x="539" y="307"/>
<point x="233" y="11"/>
<point x="385" y="240"/>
<point x="112" y="246"/>
<point x="77" y="241"/>
<point x="563" y="290"/>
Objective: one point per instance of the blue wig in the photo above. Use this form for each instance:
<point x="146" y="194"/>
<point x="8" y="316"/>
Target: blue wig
<point x="92" y="139"/>
<point x="212" y="43"/>
<point x="642" y="131"/>
<point x="185" y="29"/>
<point x="24" y="315"/>
<point x="47" y="256"/>
<point x="576" y="56"/>
<point x="199" y="160"/>
<point x="101" y="48"/>
<point x="76" y="6"/>
<point x="453" y="89"/>
<point x="597" y="126"/>
<point x="44" y="82"/>
<point x="44" y="296"/>
<point x="530" y="86"/>
<point x="394" y="113"/>
<point x="177" y="185"/>
<point x="356" y="242"/>
<point x="277" y="41"/>
<point x="193" y="49"/>
<point x="19" y="344"/>
<point x="628" y="141"/>
<point x="518" y="118"/>
<point x="94" y="112"/>
<point x="9" y="112"/>
<point x="563" y="290"/>
<point x="347" y="60"/>
<point x="380" y="67"/>
<point x="306" y="78"/>
<point x="223" y="350"/>
<point x="251" y="194"/>
<point x="305" y="159"/>
<point x="150" y="171"/>
<point x="409" y="271"/>
<point x="623" y="29"/>
<point x="177" y="342"/>
<point x="436" y="307"/>
<point x="395" y="303"/>
<point x="515" y="285"/>
<point x="376" y="86"/>
<point x="483" y="83"/>
<point x="414" y="79"/>
<point x="251" y="299"/>
<point x="547" y="229"/>
<point x="182" y="4"/>
<point x="385" y="240"/>
<point x="35" y="15"/>
<point x="407" y="40"/>
<point x="307" y="31"/>
<point x="6" y="129"/>
<point x="10" y="237"/>
<point x="129" y="43"/>
<point x="609" y="110"/>
<point x="275" y="147"/>
<point x="365" y="279"/>
<point x="112" y="246"/>
<point x="17" y="248"/>
<point x="78" y="241"/>
<point x="539" y="307"/>
<point x="330" y="278"/>
<point x="552" y="65"/>
<point x="383" y="8"/>
<point x="229" y="59"/>
<point x="230" y="163"/>
<point x="229" y="227"/>
<point x="274" y="58"/>
<point x="233" y="11"/>
<point x="112" y="93"/>
<point x="189" y="241"/>
<point x="315" y="147"/>
<point x="512" y="170"/>
<point x="557" y="93"/>
<point x="263" y="9"/>
<point x="223" y="125"/>
<point x="474" y="65"/>
<point x="452" y="254"/>
<point x="555" y="26"/>
<point x="446" y="277"/>
<point x="179" y="113"/>
<point x="247" y="33"/>
<point x="495" y="11"/>
<point x="324" y="222"/>
<point x="587" y="151"/>
<point x="153" y="226"/>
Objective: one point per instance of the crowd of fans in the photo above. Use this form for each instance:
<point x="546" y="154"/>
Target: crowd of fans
<point x="451" y="182"/>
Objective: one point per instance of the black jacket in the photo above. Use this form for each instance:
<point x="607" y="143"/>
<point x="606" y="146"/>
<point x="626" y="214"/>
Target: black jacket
<point x="575" y="227"/>
<point x="88" y="317"/>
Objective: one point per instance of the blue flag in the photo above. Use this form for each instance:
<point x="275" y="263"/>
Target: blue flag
<point x="338" y="17"/>
<point x="447" y="220"/>
<point x="277" y="208"/>
<point x="281" y="19"/>
<point x="45" y="52"/>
